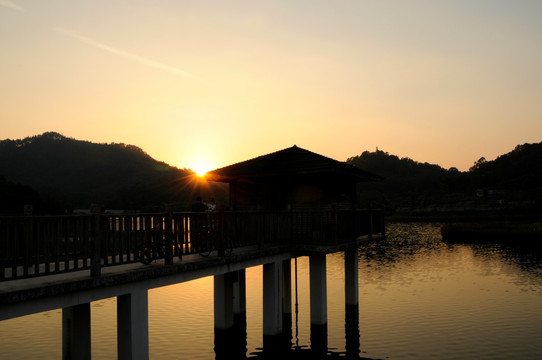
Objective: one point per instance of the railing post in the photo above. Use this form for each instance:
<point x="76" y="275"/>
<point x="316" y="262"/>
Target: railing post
<point x="96" y="261"/>
<point x="27" y="243"/>
<point x="169" y="231"/>
<point x="221" y="236"/>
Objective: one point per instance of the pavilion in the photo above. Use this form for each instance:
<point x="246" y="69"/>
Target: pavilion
<point x="292" y="179"/>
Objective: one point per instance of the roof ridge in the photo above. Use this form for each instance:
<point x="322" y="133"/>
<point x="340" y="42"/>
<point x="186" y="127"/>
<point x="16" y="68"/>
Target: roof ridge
<point x="292" y="160"/>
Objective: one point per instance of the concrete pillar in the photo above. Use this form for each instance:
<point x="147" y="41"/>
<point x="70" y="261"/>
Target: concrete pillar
<point x="273" y="338"/>
<point x="272" y="299"/>
<point x="318" y="303"/>
<point x="351" y="296"/>
<point x="239" y="293"/>
<point x="225" y="336"/>
<point x="351" y="284"/>
<point x="318" y="289"/>
<point x="76" y="344"/>
<point x="223" y="301"/>
<point x="239" y="316"/>
<point x="133" y="325"/>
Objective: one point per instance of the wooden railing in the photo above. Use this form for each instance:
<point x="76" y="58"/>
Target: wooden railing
<point x="42" y="245"/>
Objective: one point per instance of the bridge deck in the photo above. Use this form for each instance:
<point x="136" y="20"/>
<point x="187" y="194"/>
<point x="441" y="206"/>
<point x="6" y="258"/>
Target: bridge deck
<point x="156" y="274"/>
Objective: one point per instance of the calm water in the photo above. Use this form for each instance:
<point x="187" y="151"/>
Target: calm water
<point x="419" y="299"/>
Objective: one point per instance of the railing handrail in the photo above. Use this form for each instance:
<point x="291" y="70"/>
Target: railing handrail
<point x="164" y="213"/>
<point x="35" y="245"/>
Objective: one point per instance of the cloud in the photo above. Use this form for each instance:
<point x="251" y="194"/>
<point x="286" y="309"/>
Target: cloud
<point x="11" y="5"/>
<point x="128" y="55"/>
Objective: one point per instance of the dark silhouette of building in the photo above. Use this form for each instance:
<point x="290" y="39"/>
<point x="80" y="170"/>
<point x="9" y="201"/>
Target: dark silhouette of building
<point x="292" y="179"/>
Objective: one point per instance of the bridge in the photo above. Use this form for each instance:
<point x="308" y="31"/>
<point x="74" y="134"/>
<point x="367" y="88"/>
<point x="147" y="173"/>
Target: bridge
<point x="285" y="204"/>
<point x="51" y="262"/>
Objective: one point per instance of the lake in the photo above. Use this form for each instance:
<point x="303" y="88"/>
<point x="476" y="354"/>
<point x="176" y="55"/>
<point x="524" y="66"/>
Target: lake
<point x="419" y="299"/>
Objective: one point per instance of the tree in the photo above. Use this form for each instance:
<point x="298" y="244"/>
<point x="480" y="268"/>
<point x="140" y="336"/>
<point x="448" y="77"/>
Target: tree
<point x="478" y="164"/>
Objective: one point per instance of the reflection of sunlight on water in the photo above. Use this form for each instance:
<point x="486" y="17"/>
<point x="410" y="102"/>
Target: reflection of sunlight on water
<point x="45" y="333"/>
<point x="39" y="336"/>
<point x="441" y="299"/>
<point x="254" y="307"/>
<point x="104" y="328"/>
<point x="178" y="310"/>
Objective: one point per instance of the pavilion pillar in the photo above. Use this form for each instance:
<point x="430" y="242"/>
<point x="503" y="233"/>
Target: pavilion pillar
<point x="239" y="293"/>
<point x="223" y="301"/>
<point x="76" y="343"/>
<point x="351" y="285"/>
<point x="272" y="306"/>
<point x="223" y="315"/>
<point x="133" y="325"/>
<point x="351" y="296"/>
<point x="239" y="314"/>
<point x="318" y="302"/>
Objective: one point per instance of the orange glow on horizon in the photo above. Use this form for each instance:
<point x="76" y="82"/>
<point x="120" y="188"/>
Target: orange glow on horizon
<point x="418" y="100"/>
<point x="202" y="162"/>
<point x="201" y="169"/>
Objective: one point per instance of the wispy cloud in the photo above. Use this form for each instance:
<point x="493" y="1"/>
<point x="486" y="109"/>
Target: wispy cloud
<point x="11" y="5"/>
<point x="128" y="55"/>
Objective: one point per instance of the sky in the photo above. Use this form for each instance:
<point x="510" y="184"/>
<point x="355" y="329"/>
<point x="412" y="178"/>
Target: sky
<point x="205" y="84"/>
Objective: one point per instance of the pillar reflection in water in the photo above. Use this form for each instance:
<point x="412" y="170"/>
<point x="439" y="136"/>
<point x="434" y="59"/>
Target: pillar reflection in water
<point x="351" y="327"/>
<point x="240" y="314"/>
<point x="230" y="316"/>
<point x="232" y="343"/>
<point x="318" y="303"/>
<point x="351" y="296"/>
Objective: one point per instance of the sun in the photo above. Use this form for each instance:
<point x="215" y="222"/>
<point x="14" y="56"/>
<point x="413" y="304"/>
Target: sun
<point x="200" y="171"/>
<point x="201" y="168"/>
<point x="202" y="161"/>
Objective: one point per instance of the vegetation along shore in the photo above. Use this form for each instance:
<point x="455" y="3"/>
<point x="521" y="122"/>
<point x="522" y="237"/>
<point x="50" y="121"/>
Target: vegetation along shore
<point x="518" y="232"/>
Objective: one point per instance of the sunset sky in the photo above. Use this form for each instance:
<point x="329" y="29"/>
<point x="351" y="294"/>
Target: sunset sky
<point x="210" y="83"/>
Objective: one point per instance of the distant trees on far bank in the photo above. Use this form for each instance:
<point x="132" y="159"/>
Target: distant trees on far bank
<point x="513" y="178"/>
<point x="15" y="196"/>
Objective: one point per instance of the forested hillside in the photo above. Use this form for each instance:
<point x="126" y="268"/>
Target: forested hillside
<point x="77" y="173"/>
<point x="519" y="172"/>
<point x="513" y="179"/>
<point x="408" y="183"/>
<point x="56" y="173"/>
<point x="13" y="197"/>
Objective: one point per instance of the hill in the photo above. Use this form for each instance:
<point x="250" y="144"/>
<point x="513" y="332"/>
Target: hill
<point x="518" y="172"/>
<point x="60" y="172"/>
<point x="406" y="183"/>
<point x="512" y="180"/>
<point x="78" y="173"/>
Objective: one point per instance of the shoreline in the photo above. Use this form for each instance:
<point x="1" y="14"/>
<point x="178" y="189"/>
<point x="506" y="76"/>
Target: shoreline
<point x="465" y="216"/>
<point x="503" y="226"/>
<point x="492" y="231"/>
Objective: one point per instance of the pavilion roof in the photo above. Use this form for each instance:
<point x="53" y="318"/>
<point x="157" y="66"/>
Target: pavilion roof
<point x="293" y="161"/>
